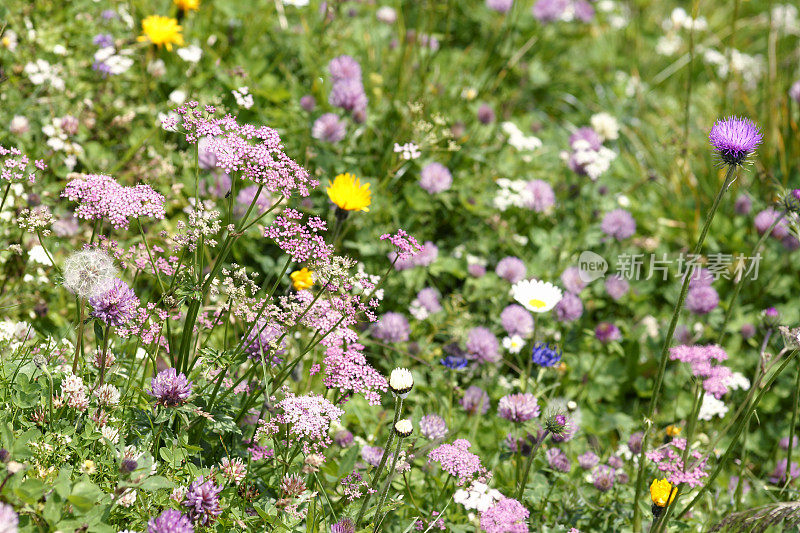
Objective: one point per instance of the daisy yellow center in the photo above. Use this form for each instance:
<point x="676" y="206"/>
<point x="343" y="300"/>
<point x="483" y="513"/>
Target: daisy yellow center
<point x="349" y="194"/>
<point x="161" y="31"/>
<point x="538" y="304"/>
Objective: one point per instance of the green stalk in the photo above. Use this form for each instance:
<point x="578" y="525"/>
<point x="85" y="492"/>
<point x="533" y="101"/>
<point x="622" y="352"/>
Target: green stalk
<point x="398" y="406"/>
<point x="388" y="483"/>
<point x="524" y="480"/>
<point x="791" y="430"/>
<point x="729" y="175"/>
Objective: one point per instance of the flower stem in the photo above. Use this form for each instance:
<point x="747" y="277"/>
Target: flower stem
<point x="524" y="480"/>
<point x="791" y="430"/>
<point x="388" y="483"/>
<point x="729" y="175"/>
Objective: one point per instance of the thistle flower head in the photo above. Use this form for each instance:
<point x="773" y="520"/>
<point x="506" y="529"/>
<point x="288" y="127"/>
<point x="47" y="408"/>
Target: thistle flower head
<point x="89" y="273"/>
<point x="734" y="139"/>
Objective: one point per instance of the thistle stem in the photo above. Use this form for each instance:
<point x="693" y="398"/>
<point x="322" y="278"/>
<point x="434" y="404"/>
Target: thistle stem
<point x="524" y="480"/>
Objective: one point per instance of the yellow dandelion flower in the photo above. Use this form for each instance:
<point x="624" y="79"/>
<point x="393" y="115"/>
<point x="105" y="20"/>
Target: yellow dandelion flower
<point x="673" y="431"/>
<point x="188" y="5"/>
<point x="661" y="492"/>
<point x="302" y="279"/>
<point x="348" y="194"/>
<point x="161" y="31"/>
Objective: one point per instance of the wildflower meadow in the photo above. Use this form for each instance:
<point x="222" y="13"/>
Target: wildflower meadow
<point x="357" y="266"/>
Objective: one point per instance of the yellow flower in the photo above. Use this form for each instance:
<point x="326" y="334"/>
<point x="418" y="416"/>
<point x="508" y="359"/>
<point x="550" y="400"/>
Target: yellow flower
<point x="673" y="431"/>
<point x="188" y="5"/>
<point x="88" y="467"/>
<point x="347" y="192"/>
<point x="161" y="31"/>
<point x="302" y="279"/>
<point x="661" y="491"/>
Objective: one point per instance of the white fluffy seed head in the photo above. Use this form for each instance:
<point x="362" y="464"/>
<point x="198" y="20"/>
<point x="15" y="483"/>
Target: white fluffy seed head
<point x="89" y="273"/>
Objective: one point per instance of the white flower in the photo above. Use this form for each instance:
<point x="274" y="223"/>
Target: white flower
<point x="514" y="344"/>
<point x="296" y="3"/>
<point x="712" y="407"/>
<point x="519" y="140"/>
<point x="404" y="427"/>
<point x="128" y="498"/>
<point x="156" y="68"/>
<point x="401" y="381"/>
<point x="60" y="50"/>
<point x="19" y="125"/>
<point x="9" y="40"/>
<point x="191" y="53"/>
<point x="110" y="433"/>
<point x="535" y="295"/>
<point x="407" y="151"/>
<point x="243" y="97"/>
<point x="668" y="45"/>
<point x="606" y="126"/>
<point x="737" y="381"/>
<point x="38" y="255"/>
<point x="177" y="97"/>
<point x="107" y="395"/>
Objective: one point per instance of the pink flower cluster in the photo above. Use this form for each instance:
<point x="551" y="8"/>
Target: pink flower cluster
<point x="308" y="418"/>
<point x="426" y="255"/>
<point x="669" y="459"/>
<point x="101" y="197"/>
<point x="458" y="462"/>
<point x="505" y="516"/>
<point x="301" y="241"/>
<point x="406" y="245"/>
<point x="253" y="152"/>
<point x="16" y="167"/>
<point x="700" y="357"/>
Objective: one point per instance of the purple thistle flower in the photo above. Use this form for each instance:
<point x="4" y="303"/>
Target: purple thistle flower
<point x="618" y="224"/>
<point x="518" y="407"/>
<point x="435" y="178"/>
<point x="549" y="10"/>
<point x="583" y="10"/>
<point x="328" y="128"/>
<point x="539" y="196"/>
<point x="734" y="138"/>
<point x="117" y="306"/>
<point x="170" y="388"/>
<point x="511" y="269"/>
<point x="486" y="113"/>
<point x="429" y="299"/>
<point x="517" y="320"/>
<point x="432" y="427"/>
<point x="343" y="438"/>
<point x="501" y="6"/>
<point x="766" y="218"/>
<point x="348" y="95"/>
<point x="558" y="460"/>
<point x="345" y="525"/>
<point x="392" y="327"/>
<point x="202" y="499"/>
<point x="702" y="300"/>
<point x="483" y="345"/>
<point x="475" y="400"/>
<point x="635" y="442"/>
<point x="743" y="205"/>
<point x="170" y="521"/>
<point x="308" y="103"/>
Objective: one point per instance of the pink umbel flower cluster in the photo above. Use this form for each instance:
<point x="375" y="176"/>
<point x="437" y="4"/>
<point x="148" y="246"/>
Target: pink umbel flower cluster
<point x="716" y="377"/>
<point x="302" y="241"/>
<point x="668" y="459"/>
<point x="253" y="152"/>
<point x="405" y="245"/>
<point x="308" y="419"/>
<point x="505" y="516"/>
<point x="101" y="197"/>
<point x="16" y="166"/>
<point x="457" y="461"/>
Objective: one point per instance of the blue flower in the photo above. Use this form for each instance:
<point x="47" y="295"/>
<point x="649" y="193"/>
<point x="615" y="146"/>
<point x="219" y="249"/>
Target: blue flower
<point x="454" y="362"/>
<point x="545" y="355"/>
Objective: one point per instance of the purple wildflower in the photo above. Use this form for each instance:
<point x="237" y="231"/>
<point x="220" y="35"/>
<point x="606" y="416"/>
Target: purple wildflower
<point x="405" y="245"/>
<point x="435" y="178"/>
<point x="618" y="224"/>
<point x="571" y="278"/>
<point x="743" y="205"/>
<point x="170" y="388"/>
<point x="483" y="345"/>
<point x="635" y="442"/>
<point x="501" y="6"/>
<point x="475" y="400"/>
<point x="101" y="197"/>
<point x="432" y="427"/>
<point x="734" y="138"/>
<point x="261" y="343"/>
<point x="372" y="455"/>
<point x="616" y="286"/>
<point x="588" y="135"/>
<point x="456" y="460"/>
<point x="549" y="10"/>
<point x="308" y="103"/>
<point x="202" y="499"/>
<point x="392" y="327"/>
<point x="8" y="519"/>
<point x="343" y="68"/>
<point x="607" y="332"/>
<point x="603" y="478"/>
<point x="558" y="460"/>
<point x="511" y="269"/>
<point x="486" y="113"/>
<point x="767" y="218"/>
<point x="517" y="320"/>
<point x="518" y="407"/>
<point x="429" y="299"/>
<point x="103" y="40"/>
<point x="538" y="196"/>
<point x="348" y="95"/>
<point x="170" y="521"/>
<point x="545" y="355"/>
<point x="117" y="306"/>
<point x="328" y="128"/>
<point x="779" y="474"/>
<point x="588" y="460"/>
<point x="343" y="438"/>
<point x="345" y="525"/>
<point x="702" y="300"/>
<point x="569" y="308"/>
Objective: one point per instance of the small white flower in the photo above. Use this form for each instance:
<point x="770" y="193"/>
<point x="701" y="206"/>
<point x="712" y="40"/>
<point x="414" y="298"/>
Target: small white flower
<point x="404" y="427"/>
<point x="177" y="97"/>
<point x="128" y="498"/>
<point x="514" y="344"/>
<point x="712" y="407"/>
<point x="401" y="381"/>
<point x="191" y="53"/>
<point x="535" y="295"/>
<point x="38" y="255"/>
<point x="606" y="126"/>
<point x="243" y="97"/>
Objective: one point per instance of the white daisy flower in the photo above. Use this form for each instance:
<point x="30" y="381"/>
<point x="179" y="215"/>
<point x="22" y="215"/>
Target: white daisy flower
<point x="535" y="295"/>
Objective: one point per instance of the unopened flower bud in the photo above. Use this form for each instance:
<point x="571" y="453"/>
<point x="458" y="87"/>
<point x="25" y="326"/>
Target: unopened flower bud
<point x="401" y="382"/>
<point x="403" y="427"/>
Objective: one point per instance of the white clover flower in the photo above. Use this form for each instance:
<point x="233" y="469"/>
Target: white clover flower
<point x="535" y="295"/>
<point x="606" y="126"/>
<point x="89" y="273"/>
<point x="107" y="395"/>
<point x="128" y="498"/>
<point x="401" y="381"/>
<point x="110" y="433"/>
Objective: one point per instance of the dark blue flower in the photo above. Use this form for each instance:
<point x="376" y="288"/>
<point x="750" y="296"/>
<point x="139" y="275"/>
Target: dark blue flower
<point x="545" y="355"/>
<point x="454" y="362"/>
